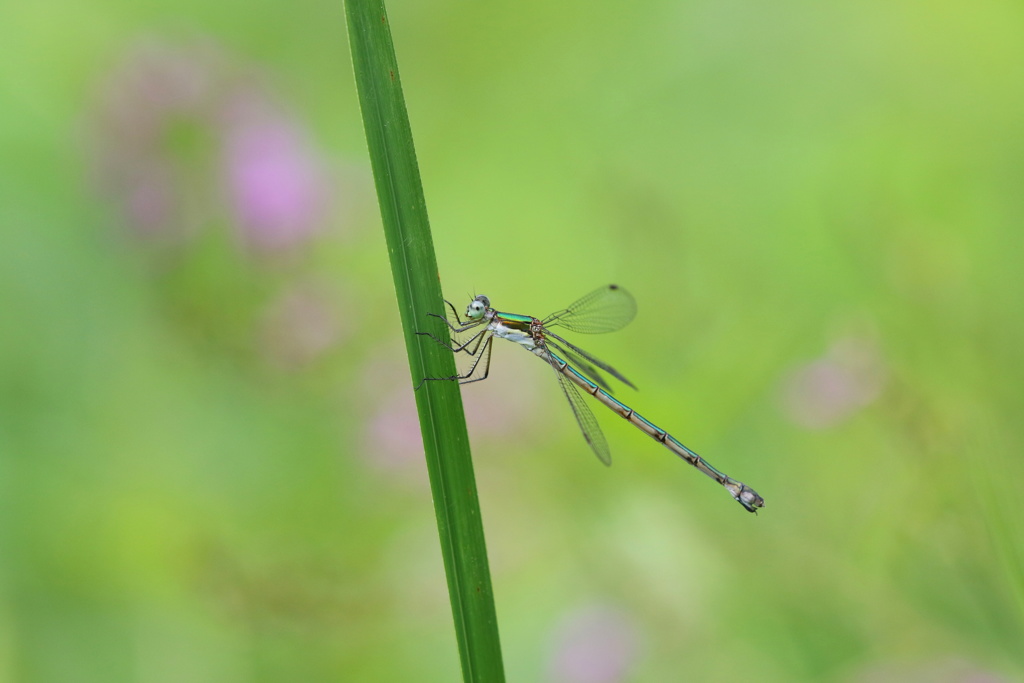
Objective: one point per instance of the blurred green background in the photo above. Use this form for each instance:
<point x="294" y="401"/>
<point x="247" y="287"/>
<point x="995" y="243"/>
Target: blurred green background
<point x="209" y="462"/>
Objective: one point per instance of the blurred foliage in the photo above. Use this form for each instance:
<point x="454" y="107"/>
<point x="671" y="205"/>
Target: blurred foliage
<point x="209" y="460"/>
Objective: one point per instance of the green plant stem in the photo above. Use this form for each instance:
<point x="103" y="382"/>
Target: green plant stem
<point x="418" y="289"/>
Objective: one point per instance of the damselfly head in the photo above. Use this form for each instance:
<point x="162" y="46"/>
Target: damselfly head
<point x="477" y="307"/>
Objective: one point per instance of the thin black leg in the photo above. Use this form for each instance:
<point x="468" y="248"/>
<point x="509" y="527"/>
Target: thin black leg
<point x="468" y="377"/>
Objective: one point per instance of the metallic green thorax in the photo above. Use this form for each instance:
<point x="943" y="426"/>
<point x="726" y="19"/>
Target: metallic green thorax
<point x="515" y="321"/>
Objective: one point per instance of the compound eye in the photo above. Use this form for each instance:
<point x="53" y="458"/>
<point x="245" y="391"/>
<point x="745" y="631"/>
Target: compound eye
<point x="476" y="308"/>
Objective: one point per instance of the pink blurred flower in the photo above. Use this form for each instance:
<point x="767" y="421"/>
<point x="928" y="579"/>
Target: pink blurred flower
<point x="823" y="392"/>
<point x="277" y="184"/>
<point x="175" y="119"/>
<point x="593" y="644"/>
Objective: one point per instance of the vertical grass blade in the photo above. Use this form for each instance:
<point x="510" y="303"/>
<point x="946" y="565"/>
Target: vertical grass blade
<point x="417" y="285"/>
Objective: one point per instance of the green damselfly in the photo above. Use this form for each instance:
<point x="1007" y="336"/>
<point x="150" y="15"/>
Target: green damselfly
<point x="604" y="310"/>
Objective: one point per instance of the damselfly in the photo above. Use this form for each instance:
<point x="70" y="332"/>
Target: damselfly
<point x="604" y="310"/>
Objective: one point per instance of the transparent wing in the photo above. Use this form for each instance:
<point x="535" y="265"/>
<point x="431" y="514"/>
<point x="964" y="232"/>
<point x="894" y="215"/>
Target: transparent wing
<point x="579" y="363"/>
<point x="584" y="417"/>
<point x="606" y="309"/>
<point x="579" y="358"/>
